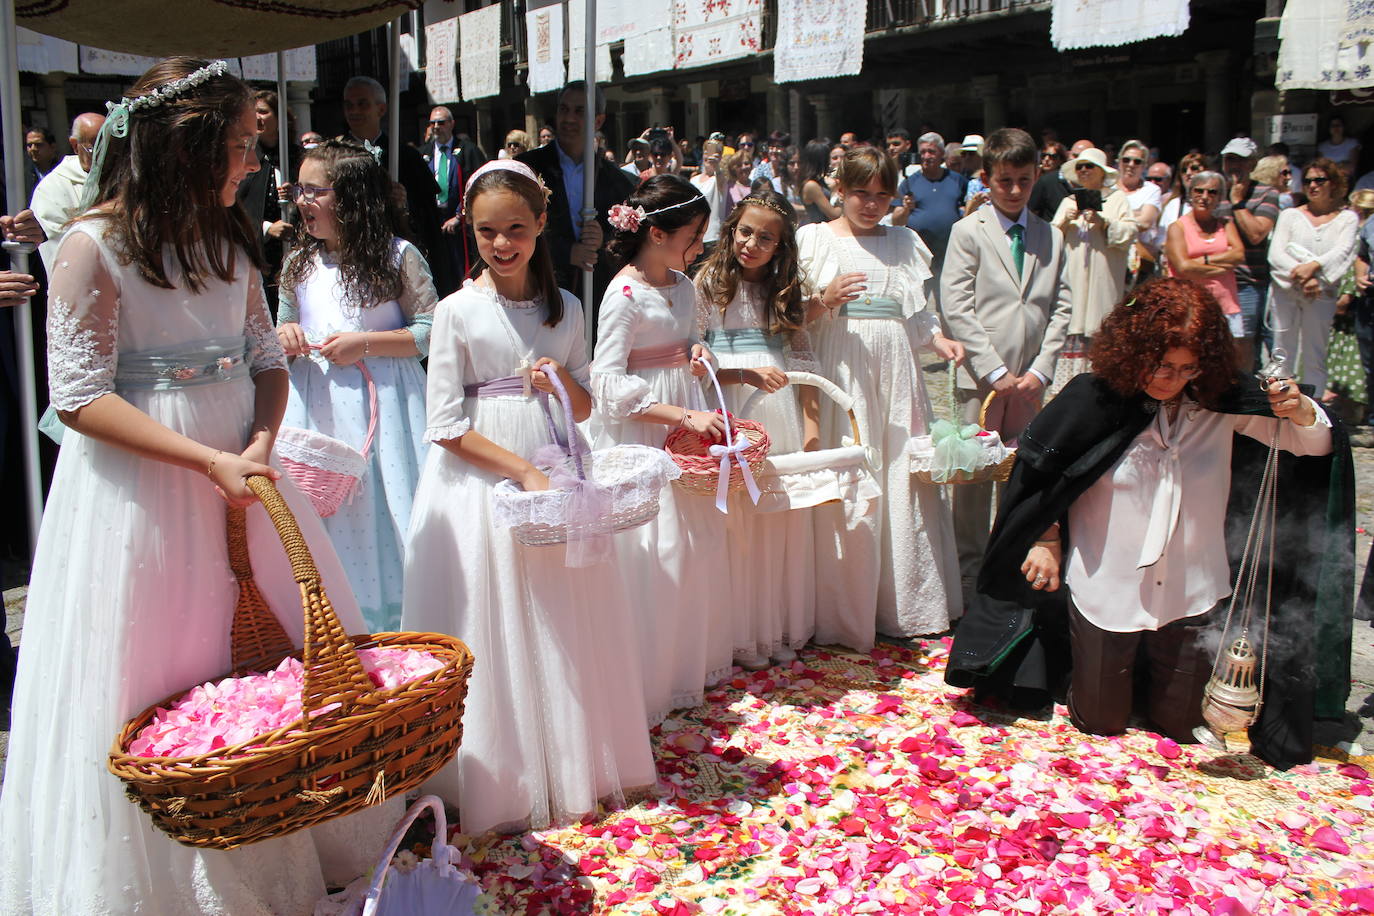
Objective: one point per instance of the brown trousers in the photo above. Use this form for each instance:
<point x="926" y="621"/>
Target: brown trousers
<point x="1101" y="690"/>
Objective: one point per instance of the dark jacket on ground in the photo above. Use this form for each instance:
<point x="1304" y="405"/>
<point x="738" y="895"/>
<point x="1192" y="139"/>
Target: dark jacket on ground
<point x="1012" y="639"/>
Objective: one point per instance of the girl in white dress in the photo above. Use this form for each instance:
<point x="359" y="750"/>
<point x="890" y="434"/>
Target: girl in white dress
<point x="164" y="368"/>
<point x="875" y="280"/>
<point x="751" y="313"/>
<point x="354" y="293"/>
<point x="555" y="718"/>
<point x="647" y="354"/>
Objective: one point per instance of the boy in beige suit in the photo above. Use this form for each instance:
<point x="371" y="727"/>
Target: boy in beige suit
<point x="1004" y="295"/>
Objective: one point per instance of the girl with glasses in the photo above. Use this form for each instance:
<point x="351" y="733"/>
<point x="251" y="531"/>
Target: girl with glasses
<point x="355" y="293"/>
<point x="1204" y="248"/>
<point x="1132" y="543"/>
<point x="751" y="313"/>
<point x="1312" y="248"/>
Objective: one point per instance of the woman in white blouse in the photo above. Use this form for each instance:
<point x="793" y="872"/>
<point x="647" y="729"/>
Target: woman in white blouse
<point x="1312" y="248"/>
<point x="1143" y="551"/>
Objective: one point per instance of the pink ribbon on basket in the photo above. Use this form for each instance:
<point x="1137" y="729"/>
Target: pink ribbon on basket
<point x="733" y="447"/>
<point x="588" y="510"/>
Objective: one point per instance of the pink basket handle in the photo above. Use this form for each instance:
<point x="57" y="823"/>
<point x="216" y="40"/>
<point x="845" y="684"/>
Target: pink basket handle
<point x="371" y="436"/>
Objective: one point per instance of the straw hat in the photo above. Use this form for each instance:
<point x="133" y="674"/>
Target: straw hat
<point x="1091" y="155"/>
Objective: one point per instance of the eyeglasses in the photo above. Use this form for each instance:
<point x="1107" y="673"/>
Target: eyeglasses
<point x="515" y="144"/>
<point x="749" y="143"/>
<point x="1158" y="179"/>
<point x="438" y="123"/>
<point x="1187" y="373"/>
<point x="1214" y="192"/>
<point x="1194" y="167"/>
<point x="1050" y="156"/>
<point x="760" y="239"/>
<point x="307" y="192"/>
<point x="1288" y="172"/>
<point x="1130" y="160"/>
<point x="1084" y="166"/>
<point x="1316" y="180"/>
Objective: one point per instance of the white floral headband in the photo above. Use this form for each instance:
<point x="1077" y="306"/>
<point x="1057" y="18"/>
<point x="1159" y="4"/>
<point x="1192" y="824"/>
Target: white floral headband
<point x="508" y="165"/>
<point x="628" y="219"/>
<point x="117" y="120"/>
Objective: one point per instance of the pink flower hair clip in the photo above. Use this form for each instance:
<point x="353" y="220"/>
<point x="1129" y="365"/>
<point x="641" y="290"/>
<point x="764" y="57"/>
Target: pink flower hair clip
<point x="626" y="219"/>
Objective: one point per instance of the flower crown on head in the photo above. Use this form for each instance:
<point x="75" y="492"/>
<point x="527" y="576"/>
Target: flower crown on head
<point x="118" y="116"/>
<point x="629" y="219"/>
<point x="768" y="205"/>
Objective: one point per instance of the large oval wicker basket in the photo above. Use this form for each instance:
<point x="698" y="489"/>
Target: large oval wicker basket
<point x="366" y="744"/>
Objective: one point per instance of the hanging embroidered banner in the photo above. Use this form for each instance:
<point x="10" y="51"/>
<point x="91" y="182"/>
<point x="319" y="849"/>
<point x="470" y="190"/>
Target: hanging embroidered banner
<point x="300" y="66"/>
<point x="544" y="31"/>
<point x="1313" y="52"/>
<point x="1108" y="23"/>
<point x="479" y="61"/>
<point x="818" y="39"/>
<point x="441" y="64"/>
<point x="707" y="31"/>
<point x="577" y="45"/>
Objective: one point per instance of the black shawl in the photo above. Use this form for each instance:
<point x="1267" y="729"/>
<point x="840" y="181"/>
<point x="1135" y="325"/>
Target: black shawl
<point x="1013" y="639"/>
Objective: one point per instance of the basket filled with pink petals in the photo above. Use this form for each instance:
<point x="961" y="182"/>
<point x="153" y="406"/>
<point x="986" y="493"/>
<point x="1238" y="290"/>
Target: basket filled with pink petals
<point x="292" y="738"/>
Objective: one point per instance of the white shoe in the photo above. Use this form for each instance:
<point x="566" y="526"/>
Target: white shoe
<point x="784" y="655"/>
<point x="752" y="662"/>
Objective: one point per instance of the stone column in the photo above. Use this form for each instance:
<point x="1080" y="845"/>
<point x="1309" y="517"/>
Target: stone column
<point x="777" y="108"/>
<point x="534" y="118"/>
<point x="55" y="103"/>
<point x="486" y="136"/>
<point x="989" y="91"/>
<point x="1216" y="66"/>
<point x="698" y="111"/>
<point x="298" y="103"/>
<point x="825" y="117"/>
<point x="794" y="117"/>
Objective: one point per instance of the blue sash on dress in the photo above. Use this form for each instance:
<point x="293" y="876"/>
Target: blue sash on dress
<point x="872" y="307"/>
<point x="202" y="362"/>
<point x="743" y="340"/>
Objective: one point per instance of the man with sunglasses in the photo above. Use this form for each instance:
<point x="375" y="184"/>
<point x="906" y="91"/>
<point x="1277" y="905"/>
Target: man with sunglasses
<point x="1254" y="208"/>
<point x="451" y="161"/>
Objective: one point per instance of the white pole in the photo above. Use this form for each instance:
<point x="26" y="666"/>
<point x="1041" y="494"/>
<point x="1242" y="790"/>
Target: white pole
<point x="283" y="134"/>
<point x="589" y="161"/>
<point x="16" y="200"/>
<point x="393" y="107"/>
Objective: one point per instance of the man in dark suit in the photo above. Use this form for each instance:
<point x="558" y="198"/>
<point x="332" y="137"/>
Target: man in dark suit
<point x="364" y="104"/>
<point x="574" y="244"/>
<point x="451" y="160"/>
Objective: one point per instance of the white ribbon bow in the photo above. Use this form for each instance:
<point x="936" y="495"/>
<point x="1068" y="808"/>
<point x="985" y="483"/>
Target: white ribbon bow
<point x="734" y="446"/>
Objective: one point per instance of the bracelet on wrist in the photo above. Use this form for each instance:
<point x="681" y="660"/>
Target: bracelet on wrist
<point x="367" y="344"/>
<point x="210" y="469"/>
<point x="1049" y="542"/>
<point x="682" y="424"/>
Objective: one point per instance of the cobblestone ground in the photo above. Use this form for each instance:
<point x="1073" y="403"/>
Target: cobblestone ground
<point x="1359" y="724"/>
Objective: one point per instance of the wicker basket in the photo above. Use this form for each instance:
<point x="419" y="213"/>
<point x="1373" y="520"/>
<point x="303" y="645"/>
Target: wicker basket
<point x="332" y="763"/>
<point x="632" y="475"/>
<point x="701" y="471"/>
<point x="992" y="473"/>
<point x="790" y="481"/>
<point x="324" y="468"/>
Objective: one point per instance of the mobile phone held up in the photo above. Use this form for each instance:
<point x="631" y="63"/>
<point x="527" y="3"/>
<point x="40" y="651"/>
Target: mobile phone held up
<point x="1087" y="199"/>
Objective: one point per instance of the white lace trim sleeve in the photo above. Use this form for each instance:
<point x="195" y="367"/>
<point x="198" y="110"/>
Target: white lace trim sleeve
<point x="264" y="348"/>
<point x="418" y="296"/>
<point x="83" y="325"/>
<point x="621" y="396"/>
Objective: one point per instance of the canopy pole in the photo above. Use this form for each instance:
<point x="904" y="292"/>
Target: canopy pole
<point x="283" y="136"/>
<point x="393" y="108"/>
<point x="589" y="163"/>
<point x="16" y="200"/>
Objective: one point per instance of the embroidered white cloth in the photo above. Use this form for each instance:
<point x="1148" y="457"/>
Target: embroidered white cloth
<point x="649" y="52"/>
<point x="715" y="30"/>
<point x="544" y="30"/>
<point x="1108" y="23"/>
<point x="479" y="34"/>
<point x="577" y="46"/>
<point x="300" y="66"/>
<point x="818" y="39"/>
<point x="441" y="69"/>
<point x="1312" y="50"/>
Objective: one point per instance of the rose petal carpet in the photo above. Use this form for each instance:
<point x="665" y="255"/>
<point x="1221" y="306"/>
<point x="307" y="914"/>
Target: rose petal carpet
<point x="845" y="783"/>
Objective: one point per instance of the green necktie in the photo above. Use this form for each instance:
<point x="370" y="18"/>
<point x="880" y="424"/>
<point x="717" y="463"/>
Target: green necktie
<point x="441" y="174"/>
<point x="1018" y="247"/>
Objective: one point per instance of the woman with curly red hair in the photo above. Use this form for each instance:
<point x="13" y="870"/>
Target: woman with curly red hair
<point x="1121" y="493"/>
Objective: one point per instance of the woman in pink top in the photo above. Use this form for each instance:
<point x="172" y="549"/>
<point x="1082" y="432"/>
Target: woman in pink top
<point x="1206" y="249"/>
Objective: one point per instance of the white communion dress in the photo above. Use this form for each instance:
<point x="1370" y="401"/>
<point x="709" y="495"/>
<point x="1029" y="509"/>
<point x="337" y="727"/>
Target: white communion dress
<point x="131" y="601"/>
<point x="869" y="349"/>
<point x="676" y="567"/>
<point x="772" y="554"/>
<point x="555" y="716"/>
